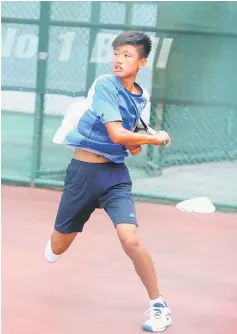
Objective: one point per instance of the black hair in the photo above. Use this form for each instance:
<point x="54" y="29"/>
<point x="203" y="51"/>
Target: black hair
<point x="135" y="38"/>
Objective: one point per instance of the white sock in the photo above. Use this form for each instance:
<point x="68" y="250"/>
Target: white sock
<point x="157" y="300"/>
<point x="49" y="255"/>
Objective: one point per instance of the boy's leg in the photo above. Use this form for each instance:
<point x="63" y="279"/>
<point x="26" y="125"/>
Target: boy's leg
<point x="65" y="230"/>
<point x="120" y="206"/>
<point x="76" y="205"/>
<point x="131" y="244"/>
<point x="158" y="313"/>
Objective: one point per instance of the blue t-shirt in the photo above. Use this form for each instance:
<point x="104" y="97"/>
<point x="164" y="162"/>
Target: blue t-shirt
<point x="107" y="101"/>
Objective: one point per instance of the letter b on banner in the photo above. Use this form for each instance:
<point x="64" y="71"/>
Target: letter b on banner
<point x="102" y="51"/>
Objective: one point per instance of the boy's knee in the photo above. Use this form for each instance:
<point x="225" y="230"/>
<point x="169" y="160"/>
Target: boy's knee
<point x="131" y="244"/>
<point x="129" y="237"/>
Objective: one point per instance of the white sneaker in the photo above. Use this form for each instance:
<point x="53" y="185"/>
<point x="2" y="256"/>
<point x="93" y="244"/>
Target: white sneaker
<point x="49" y="255"/>
<point x="159" y="318"/>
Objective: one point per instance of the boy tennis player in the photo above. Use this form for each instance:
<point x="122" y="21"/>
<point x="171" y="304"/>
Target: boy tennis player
<point x="101" y="132"/>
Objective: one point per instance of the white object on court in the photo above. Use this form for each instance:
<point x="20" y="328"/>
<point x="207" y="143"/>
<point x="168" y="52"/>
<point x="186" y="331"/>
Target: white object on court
<point x="198" y="204"/>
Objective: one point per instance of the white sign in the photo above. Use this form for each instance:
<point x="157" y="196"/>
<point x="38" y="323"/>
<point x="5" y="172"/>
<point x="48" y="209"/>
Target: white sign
<point x="25" y="46"/>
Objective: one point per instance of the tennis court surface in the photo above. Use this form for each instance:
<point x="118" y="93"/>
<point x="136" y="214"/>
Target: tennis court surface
<point x="93" y="288"/>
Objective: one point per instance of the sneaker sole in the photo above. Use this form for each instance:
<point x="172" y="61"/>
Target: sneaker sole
<point x="150" y="329"/>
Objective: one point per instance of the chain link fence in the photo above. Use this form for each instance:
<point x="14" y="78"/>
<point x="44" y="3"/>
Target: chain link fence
<point x="53" y="51"/>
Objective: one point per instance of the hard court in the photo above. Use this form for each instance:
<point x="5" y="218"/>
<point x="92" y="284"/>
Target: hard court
<point x="93" y="288"/>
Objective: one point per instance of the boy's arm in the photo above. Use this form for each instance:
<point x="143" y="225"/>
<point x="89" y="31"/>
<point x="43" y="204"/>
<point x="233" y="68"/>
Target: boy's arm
<point x="120" y="135"/>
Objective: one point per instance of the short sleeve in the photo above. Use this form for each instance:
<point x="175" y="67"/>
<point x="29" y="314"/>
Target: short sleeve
<point x="105" y="102"/>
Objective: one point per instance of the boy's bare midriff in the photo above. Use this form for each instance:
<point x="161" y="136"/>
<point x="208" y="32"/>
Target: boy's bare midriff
<point x="91" y="157"/>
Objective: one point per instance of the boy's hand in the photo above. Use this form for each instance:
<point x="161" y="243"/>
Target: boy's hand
<point x="162" y="138"/>
<point x="134" y="150"/>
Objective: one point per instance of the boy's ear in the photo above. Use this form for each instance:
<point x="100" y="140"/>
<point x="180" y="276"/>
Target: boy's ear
<point x="143" y="63"/>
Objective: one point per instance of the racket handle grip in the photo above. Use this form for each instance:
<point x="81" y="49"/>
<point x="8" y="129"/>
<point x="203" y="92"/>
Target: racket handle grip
<point x="153" y="132"/>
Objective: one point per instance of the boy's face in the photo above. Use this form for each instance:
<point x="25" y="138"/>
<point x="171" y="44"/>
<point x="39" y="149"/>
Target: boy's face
<point x="127" y="61"/>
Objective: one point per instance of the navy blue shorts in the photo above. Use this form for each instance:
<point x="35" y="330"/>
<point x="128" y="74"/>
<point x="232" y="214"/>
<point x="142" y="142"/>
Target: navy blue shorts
<point x="89" y="186"/>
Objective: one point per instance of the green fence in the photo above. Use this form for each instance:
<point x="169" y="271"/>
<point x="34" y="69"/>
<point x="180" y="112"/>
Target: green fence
<point x="53" y="51"/>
